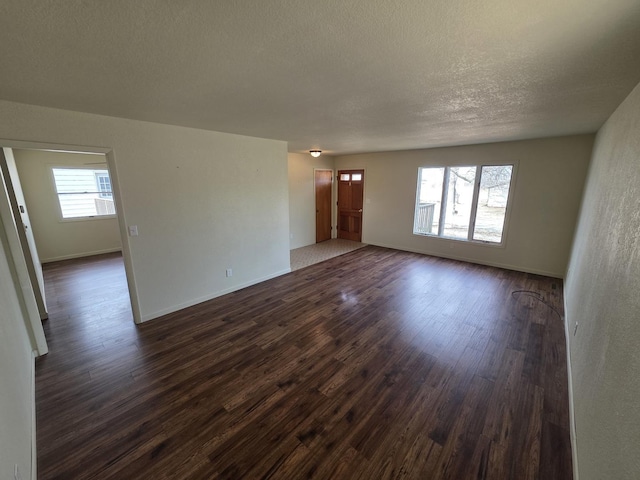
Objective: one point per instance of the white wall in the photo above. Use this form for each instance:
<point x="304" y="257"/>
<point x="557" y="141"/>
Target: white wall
<point x="302" y="200"/>
<point x="603" y="295"/>
<point x="55" y="239"/>
<point x="549" y="183"/>
<point x="16" y="375"/>
<point x="203" y="201"/>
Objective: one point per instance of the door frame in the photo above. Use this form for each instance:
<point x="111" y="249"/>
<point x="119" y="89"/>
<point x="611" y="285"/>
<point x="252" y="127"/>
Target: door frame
<point x="331" y="201"/>
<point x="364" y="197"/>
<point x="117" y="198"/>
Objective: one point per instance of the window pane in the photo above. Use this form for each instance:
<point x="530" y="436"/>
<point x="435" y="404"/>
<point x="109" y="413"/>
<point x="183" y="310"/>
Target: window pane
<point x="83" y="192"/>
<point x="104" y="185"/>
<point x="427" y="216"/>
<point x="345" y="177"/>
<point x="492" y="203"/>
<point x="356" y="177"/>
<point x="459" y="200"/>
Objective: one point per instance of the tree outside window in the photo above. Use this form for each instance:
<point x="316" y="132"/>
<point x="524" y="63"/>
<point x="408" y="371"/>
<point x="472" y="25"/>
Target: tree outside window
<point x="463" y="202"/>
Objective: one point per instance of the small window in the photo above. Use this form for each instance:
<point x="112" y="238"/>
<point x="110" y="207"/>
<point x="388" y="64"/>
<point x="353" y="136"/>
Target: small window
<point x="104" y="185"/>
<point x="356" y="177"/>
<point x="345" y="177"/>
<point x="84" y="192"/>
<point x="463" y="202"/>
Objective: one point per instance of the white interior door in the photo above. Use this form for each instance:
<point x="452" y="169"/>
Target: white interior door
<point x="21" y="278"/>
<point x="23" y="225"/>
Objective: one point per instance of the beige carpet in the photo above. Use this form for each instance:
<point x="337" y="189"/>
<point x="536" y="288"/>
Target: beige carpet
<point x="319" y="252"/>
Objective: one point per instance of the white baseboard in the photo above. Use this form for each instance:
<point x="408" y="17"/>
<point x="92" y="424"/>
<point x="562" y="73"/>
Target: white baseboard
<point x="219" y="293"/>
<point x="506" y="266"/>
<point x="572" y="418"/>
<point x="80" y="255"/>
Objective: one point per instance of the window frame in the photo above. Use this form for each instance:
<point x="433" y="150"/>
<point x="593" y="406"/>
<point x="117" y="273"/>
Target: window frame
<point x="93" y="168"/>
<point x="104" y="194"/>
<point x="474" y="204"/>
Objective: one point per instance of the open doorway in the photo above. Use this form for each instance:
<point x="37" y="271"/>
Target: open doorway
<point x="67" y="200"/>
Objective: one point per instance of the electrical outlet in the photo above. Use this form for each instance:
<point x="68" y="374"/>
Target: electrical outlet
<point x="229" y="272"/>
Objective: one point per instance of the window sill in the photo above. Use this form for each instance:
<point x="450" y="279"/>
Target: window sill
<point x="87" y="219"/>
<point x="460" y="240"/>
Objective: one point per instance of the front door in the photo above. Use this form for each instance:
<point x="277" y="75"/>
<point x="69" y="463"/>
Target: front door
<point x="323" y="180"/>
<point x="350" y="196"/>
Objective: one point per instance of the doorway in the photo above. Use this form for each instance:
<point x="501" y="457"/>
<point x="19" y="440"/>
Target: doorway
<point x="323" y="180"/>
<point x="350" y="203"/>
<point x="98" y="166"/>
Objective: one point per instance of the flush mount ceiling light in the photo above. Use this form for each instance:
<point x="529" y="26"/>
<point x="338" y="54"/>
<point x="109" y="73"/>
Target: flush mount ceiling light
<point x="315" y="153"/>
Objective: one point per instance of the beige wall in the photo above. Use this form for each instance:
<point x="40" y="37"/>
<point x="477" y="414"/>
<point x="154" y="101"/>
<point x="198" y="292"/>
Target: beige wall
<point x="549" y="182"/>
<point x="203" y="201"/>
<point x="16" y="374"/>
<point x="302" y="200"/>
<point x="603" y="296"/>
<point x="55" y="239"/>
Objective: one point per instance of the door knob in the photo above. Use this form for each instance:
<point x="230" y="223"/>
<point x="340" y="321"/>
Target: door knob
<point x="360" y="211"/>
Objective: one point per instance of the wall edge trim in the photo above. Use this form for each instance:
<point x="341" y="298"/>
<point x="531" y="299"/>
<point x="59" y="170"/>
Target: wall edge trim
<point x="572" y="416"/>
<point x="34" y="443"/>
<point x="219" y="293"/>
<point x="81" y="255"/>
<point x="506" y="266"/>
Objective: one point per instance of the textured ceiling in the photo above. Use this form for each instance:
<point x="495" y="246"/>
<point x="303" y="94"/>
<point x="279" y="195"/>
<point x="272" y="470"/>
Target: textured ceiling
<point x="343" y="76"/>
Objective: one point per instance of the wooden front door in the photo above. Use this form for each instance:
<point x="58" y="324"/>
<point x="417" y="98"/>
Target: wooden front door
<point x="323" y="181"/>
<point x="350" y="196"/>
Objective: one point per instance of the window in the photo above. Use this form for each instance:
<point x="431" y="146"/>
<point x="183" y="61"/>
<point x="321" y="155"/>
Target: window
<point x="104" y="185"/>
<point x="84" y="192"/>
<point x="463" y="202"/>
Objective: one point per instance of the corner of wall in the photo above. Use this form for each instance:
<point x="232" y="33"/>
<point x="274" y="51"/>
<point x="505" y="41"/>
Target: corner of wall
<point x="572" y="421"/>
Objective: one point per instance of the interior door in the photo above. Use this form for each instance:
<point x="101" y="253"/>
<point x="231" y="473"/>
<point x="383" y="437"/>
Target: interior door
<point x="350" y="201"/>
<point x="23" y="225"/>
<point x="15" y="255"/>
<point x="323" y="181"/>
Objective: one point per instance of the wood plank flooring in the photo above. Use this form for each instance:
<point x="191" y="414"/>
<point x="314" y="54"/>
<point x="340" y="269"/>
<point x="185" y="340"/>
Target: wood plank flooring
<point x="373" y="365"/>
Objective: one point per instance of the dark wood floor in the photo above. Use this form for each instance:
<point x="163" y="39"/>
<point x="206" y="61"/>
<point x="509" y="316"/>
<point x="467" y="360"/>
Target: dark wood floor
<point x="377" y="364"/>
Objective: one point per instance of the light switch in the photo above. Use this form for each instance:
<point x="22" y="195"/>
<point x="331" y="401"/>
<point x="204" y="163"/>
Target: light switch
<point x="133" y="230"/>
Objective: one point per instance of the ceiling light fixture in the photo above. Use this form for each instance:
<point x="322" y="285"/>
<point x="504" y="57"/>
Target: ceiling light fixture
<point x="315" y="153"/>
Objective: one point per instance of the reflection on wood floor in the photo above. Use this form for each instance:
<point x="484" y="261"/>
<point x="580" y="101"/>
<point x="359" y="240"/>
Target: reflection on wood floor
<point x="375" y="364"/>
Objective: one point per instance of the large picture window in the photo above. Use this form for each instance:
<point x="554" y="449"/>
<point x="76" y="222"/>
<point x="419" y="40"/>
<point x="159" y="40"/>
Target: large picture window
<point x="463" y="202"/>
<point x="84" y="192"/>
